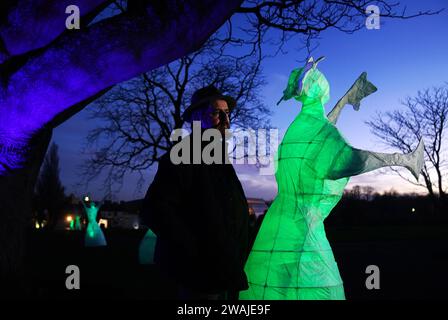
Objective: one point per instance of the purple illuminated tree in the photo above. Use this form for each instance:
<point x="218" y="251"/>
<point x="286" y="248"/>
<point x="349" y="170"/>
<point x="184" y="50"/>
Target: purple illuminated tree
<point x="49" y="191"/>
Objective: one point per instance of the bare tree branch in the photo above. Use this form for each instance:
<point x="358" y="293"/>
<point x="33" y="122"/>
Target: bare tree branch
<point x="289" y="18"/>
<point x="22" y="32"/>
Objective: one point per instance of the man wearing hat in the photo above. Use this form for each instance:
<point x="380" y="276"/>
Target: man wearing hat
<point x="200" y="214"/>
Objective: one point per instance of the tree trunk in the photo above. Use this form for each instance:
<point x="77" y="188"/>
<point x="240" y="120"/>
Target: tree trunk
<point x="16" y="189"/>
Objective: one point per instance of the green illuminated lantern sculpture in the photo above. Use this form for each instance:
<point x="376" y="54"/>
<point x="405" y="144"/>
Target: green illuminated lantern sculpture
<point x="291" y="257"/>
<point x="94" y="235"/>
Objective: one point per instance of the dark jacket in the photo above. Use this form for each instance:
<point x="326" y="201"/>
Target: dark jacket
<point x="200" y="215"/>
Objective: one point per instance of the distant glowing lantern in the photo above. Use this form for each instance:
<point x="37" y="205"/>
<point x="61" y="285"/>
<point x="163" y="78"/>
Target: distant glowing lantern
<point x="37" y="225"/>
<point x="136" y="226"/>
<point x="86" y="199"/>
<point x="291" y="258"/>
<point x="413" y="210"/>
<point x="69" y="218"/>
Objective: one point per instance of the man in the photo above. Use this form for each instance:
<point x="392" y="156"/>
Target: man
<point x="199" y="213"/>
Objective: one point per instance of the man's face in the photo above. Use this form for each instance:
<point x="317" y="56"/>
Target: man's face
<point x="220" y="115"/>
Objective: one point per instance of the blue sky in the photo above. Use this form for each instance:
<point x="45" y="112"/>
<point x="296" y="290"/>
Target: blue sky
<point x="400" y="58"/>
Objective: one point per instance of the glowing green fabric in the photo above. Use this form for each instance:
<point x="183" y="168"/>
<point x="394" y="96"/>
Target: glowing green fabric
<point x="94" y="235"/>
<point x="291" y="257"/>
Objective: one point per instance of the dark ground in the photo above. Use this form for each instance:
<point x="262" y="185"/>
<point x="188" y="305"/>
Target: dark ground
<point x="413" y="261"/>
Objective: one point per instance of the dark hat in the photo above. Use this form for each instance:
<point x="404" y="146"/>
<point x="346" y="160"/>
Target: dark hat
<point x="203" y="96"/>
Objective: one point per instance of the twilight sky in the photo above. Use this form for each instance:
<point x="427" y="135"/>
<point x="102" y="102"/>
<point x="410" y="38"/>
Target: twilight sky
<point x="400" y="58"/>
